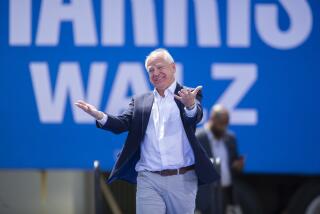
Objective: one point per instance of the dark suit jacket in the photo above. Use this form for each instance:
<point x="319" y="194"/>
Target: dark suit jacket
<point x="206" y="193"/>
<point x="135" y="120"/>
<point x="230" y="141"/>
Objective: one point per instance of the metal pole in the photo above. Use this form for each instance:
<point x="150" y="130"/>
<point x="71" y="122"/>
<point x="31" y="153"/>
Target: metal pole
<point x="97" y="190"/>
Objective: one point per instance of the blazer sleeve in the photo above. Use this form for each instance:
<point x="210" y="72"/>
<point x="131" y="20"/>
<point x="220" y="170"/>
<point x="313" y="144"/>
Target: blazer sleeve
<point x="232" y="147"/>
<point x="232" y="152"/>
<point x="120" y="123"/>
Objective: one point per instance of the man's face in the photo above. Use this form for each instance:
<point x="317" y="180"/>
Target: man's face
<point x="161" y="72"/>
<point x="219" y="124"/>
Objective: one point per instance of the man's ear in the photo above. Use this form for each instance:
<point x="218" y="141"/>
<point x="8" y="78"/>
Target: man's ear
<point x="173" y="66"/>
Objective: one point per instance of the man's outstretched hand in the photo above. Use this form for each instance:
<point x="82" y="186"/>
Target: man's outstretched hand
<point x="90" y="109"/>
<point x="188" y="97"/>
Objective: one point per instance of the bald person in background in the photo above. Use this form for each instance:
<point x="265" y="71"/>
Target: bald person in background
<point x="161" y="153"/>
<point x="220" y="143"/>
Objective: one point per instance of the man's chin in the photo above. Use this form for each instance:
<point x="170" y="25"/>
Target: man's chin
<point x="159" y="86"/>
<point x="163" y="87"/>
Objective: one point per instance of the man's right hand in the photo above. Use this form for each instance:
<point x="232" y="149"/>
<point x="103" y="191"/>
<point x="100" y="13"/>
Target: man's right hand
<point x="238" y="164"/>
<point x="90" y="109"/>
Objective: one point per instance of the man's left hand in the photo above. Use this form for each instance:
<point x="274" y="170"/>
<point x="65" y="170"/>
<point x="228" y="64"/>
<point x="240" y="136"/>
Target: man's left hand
<point x="187" y="97"/>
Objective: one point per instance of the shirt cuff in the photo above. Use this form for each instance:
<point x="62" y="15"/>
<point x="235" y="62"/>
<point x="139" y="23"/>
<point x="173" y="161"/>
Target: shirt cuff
<point x="192" y="112"/>
<point x="103" y="120"/>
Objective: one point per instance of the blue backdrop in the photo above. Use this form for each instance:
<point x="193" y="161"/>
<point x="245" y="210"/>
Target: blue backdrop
<point x="259" y="58"/>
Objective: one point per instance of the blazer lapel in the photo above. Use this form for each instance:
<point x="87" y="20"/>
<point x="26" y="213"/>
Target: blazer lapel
<point x="147" y="103"/>
<point x="180" y="105"/>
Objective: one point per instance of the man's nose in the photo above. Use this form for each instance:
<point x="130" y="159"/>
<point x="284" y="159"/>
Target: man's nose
<point x="156" y="72"/>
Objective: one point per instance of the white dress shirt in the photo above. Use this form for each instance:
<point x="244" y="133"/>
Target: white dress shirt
<point x="219" y="150"/>
<point x="165" y="144"/>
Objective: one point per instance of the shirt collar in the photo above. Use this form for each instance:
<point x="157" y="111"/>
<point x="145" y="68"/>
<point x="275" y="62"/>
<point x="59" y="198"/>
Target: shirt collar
<point x="169" y="90"/>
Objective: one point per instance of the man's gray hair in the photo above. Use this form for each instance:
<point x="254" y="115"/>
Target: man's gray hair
<point x="166" y="55"/>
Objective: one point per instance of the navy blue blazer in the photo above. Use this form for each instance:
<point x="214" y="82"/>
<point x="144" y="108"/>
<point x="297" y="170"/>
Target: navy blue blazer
<point x="135" y="120"/>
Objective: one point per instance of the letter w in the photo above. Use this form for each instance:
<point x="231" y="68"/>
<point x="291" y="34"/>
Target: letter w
<point x="51" y="106"/>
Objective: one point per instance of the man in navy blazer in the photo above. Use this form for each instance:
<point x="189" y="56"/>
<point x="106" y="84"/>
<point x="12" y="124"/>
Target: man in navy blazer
<point x="161" y="153"/>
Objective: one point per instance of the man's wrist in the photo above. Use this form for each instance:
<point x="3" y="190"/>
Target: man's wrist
<point x="99" y="115"/>
<point x="191" y="107"/>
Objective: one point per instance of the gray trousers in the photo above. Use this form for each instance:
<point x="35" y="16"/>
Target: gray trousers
<point x="166" y="194"/>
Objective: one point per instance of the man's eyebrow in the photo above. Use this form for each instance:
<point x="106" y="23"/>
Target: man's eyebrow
<point x="155" y="65"/>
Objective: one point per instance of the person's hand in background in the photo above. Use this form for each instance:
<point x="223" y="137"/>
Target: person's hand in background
<point x="238" y="164"/>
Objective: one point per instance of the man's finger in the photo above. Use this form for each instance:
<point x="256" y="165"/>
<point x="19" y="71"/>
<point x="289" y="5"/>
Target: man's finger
<point x="195" y="91"/>
<point x="185" y="93"/>
<point x="180" y="93"/>
<point x="184" y="90"/>
<point x="81" y="102"/>
<point x="177" y="97"/>
<point x="82" y="106"/>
